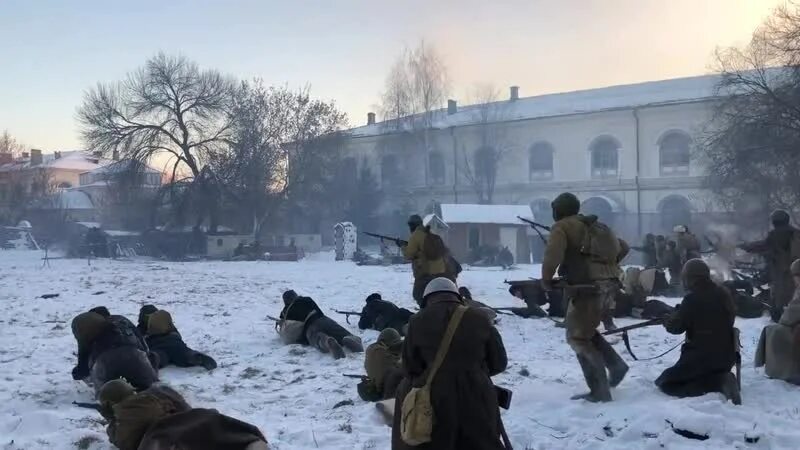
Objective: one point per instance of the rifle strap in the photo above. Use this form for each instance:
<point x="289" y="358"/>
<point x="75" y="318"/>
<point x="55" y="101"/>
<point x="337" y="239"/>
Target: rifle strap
<point x="627" y="342"/>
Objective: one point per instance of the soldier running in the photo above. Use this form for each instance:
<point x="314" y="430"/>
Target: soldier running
<point x="594" y="263"/>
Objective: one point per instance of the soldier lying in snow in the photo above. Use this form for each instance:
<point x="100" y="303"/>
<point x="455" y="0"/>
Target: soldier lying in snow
<point x="165" y="341"/>
<point x="466" y="297"/>
<point x="110" y="348"/>
<point x="382" y="363"/>
<point x="159" y="418"/>
<point x="379" y="314"/>
<point x="303" y="322"/>
<point x="531" y="292"/>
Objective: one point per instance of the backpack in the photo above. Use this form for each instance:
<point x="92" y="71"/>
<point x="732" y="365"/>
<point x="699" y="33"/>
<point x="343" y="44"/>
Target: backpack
<point x="600" y="244"/>
<point x="416" y="421"/>
<point x="433" y="247"/>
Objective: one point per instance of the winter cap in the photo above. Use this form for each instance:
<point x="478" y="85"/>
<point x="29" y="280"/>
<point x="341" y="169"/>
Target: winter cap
<point x="102" y="310"/>
<point x="565" y="205"/>
<point x="779" y="217"/>
<point x="390" y="337"/>
<point x="440" y="284"/>
<point x="795" y="268"/>
<point x="415" y="220"/>
<point x="114" y="392"/>
<point x="289" y="296"/>
<point x="374" y="296"/>
<point x="86" y="326"/>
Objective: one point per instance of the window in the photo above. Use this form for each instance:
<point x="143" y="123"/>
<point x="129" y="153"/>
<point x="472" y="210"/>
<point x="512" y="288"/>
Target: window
<point x="485" y="165"/>
<point x="674" y="153"/>
<point x="474" y="238"/>
<point x="540" y="161"/>
<point x="389" y="170"/>
<point x="436" y="168"/>
<point x="219" y="242"/>
<point x="542" y="211"/>
<point x="604" y="152"/>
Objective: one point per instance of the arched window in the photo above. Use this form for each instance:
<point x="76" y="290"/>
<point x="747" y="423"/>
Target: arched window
<point x="389" y="173"/>
<point x="600" y="207"/>
<point x="674" y="153"/>
<point x="436" y="168"/>
<point x="675" y="210"/>
<point x="540" y="161"/>
<point x="485" y="164"/>
<point x="604" y="152"/>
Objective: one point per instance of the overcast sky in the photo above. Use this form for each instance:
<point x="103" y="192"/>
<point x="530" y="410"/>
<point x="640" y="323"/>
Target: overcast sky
<point x="53" y="50"/>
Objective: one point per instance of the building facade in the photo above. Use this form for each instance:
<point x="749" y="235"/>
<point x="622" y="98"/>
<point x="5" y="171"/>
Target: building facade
<point x="628" y="152"/>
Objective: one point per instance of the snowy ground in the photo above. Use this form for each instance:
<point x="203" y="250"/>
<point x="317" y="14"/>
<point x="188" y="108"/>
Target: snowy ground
<point x="290" y="391"/>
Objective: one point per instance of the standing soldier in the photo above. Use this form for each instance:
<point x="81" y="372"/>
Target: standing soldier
<point x="648" y="250"/>
<point x="777" y="250"/>
<point x="688" y="245"/>
<point x="586" y="252"/>
<point x="426" y="252"/>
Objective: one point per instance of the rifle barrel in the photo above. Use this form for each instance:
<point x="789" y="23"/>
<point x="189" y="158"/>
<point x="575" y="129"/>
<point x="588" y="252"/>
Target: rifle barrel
<point x="646" y="323"/>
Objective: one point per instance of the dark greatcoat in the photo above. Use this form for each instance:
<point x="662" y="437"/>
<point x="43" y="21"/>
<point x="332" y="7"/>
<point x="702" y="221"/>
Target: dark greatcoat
<point x="706" y="315"/>
<point x="467" y="416"/>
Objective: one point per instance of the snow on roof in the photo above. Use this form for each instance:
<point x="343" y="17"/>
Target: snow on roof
<point x="679" y="90"/>
<point x="433" y="219"/>
<point x="489" y="214"/>
<point x="77" y="160"/>
<point x="73" y="200"/>
<point x="117" y="167"/>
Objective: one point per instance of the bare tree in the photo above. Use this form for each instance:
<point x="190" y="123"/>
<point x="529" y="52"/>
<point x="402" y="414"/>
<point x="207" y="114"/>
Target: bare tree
<point x="481" y="166"/>
<point x="751" y="144"/>
<point x="284" y="151"/>
<point x="170" y="106"/>
<point x="9" y="144"/>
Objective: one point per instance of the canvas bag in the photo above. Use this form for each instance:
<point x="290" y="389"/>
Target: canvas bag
<point x="416" y="422"/>
<point x="291" y="331"/>
<point x="600" y="244"/>
<point x="433" y="247"/>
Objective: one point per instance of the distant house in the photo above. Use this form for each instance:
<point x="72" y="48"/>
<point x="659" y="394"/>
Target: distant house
<point x="97" y="182"/>
<point x="474" y="226"/>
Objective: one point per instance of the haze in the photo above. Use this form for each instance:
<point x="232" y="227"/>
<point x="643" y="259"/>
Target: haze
<point x="53" y="51"/>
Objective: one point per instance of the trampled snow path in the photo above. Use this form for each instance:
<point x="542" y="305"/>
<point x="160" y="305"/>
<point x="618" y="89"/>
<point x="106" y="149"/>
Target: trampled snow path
<point x="289" y="391"/>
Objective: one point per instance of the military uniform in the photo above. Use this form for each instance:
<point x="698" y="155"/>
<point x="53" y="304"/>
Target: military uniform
<point x="108" y="350"/>
<point x="586" y="306"/>
<point x="165" y="341"/>
<point x="706" y="315"/>
<point x="382" y="362"/>
<point x="777" y="250"/>
<point x="379" y="314"/>
<point x="319" y="330"/>
<point x="424" y="269"/>
<point x="779" y="346"/>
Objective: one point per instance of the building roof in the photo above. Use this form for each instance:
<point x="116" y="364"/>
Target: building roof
<point x="75" y="160"/>
<point x="118" y="167"/>
<point x="652" y="93"/>
<point x="486" y="214"/>
<point x="66" y="199"/>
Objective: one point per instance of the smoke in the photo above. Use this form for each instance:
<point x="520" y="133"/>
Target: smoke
<point x="724" y="239"/>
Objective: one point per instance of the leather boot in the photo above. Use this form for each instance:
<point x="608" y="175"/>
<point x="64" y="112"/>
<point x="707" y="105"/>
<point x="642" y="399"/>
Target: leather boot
<point x="594" y="372"/>
<point x="730" y="388"/>
<point x="353" y="343"/>
<point x="617" y="368"/>
<point x="201" y="359"/>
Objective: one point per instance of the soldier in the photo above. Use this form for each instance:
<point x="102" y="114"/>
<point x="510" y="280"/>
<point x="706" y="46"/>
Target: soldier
<point x="671" y="261"/>
<point x="706" y="315"/>
<point x="505" y="259"/>
<point x="467" y="411"/>
<point x="777" y="250"/>
<point x="466" y="298"/>
<point x="648" y="250"/>
<point x="687" y="244"/>
<point x="164" y="340"/>
<point x="531" y="292"/>
<point x="382" y="363"/>
<point x="379" y="314"/>
<point x="144" y="313"/>
<point x="318" y="330"/>
<point x="779" y="345"/>
<point x="581" y="263"/>
<point x="107" y="351"/>
<point x="427" y="262"/>
<point x="159" y="418"/>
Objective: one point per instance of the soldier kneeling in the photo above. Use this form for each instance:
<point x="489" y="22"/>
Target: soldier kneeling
<point x="159" y="418"/>
<point x="706" y="315"/>
<point x="110" y="349"/>
<point x="382" y="363"/>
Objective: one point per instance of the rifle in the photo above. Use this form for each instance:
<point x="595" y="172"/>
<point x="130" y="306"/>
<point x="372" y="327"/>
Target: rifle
<point x="383" y="237"/>
<point x="536" y="227"/>
<point x="358" y="377"/>
<point x="347" y="314"/>
<point x="94" y="406"/>
<point x="626" y="340"/>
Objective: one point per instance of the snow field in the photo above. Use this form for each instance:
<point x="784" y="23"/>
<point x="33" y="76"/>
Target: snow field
<point x="290" y="391"/>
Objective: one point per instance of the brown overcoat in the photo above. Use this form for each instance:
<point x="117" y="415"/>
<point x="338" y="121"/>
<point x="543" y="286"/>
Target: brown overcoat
<point x="467" y="416"/>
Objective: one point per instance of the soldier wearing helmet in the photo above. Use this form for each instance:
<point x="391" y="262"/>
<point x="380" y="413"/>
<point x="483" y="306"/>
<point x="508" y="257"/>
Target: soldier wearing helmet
<point x="706" y="315"/>
<point x="779" y="249"/>
<point x="382" y="363"/>
<point x="461" y="388"/>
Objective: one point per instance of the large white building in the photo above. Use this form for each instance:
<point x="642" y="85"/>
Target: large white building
<point x="626" y="151"/>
